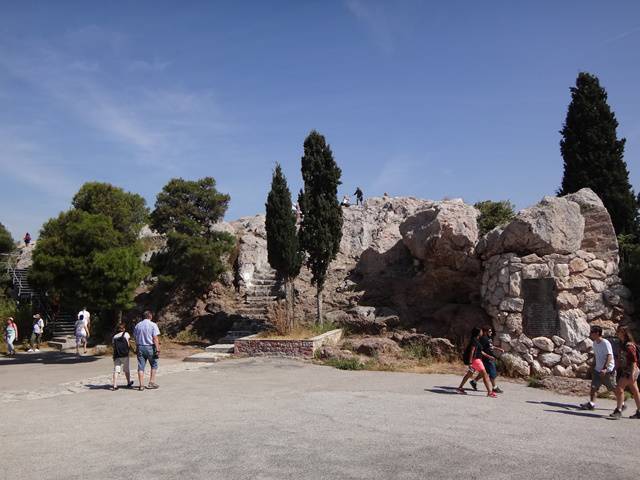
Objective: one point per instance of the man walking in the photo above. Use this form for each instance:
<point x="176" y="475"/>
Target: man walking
<point x="36" y="336"/>
<point x="604" y="367"/>
<point x="85" y="316"/>
<point x="146" y="334"/>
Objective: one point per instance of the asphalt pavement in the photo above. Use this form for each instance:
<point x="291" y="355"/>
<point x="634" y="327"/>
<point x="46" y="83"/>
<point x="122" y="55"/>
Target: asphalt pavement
<point x="286" y="419"/>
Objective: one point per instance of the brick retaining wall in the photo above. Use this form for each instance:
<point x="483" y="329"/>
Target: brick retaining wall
<point x="265" y="347"/>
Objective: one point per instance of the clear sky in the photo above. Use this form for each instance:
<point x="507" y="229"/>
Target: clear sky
<point x="423" y="98"/>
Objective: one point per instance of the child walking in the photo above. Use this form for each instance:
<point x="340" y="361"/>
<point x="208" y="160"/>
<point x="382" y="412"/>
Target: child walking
<point x="473" y="356"/>
<point x="121" y="356"/>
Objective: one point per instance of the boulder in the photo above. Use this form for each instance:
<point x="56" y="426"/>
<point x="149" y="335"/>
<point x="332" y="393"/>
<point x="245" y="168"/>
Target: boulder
<point x="514" y="365"/>
<point x="543" y="343"/>
<point x="599" y="235"/>
<point x="512" y="305"/>
<point x="558" y="341"/>
<point x="573" y="326"/>
<point x="444" y="235"/>
<point x="549" y="359"/>
<point x="328" y="352"/>
<point x="363" y="319"/>
<point x="374" y="346"/>
<point x="553" y="226"/>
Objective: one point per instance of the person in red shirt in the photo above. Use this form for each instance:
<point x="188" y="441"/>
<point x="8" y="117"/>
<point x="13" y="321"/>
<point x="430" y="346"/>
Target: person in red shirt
<point x="627" y="366"/>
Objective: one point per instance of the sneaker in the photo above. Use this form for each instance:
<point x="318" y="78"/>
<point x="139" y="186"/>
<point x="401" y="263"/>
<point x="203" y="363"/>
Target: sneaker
<point x="461" y="391"/>
<point x="30" y="350"/>
<point x="587" y="406"/>
<point x="153" y="386"/>
<point x="130" y="384"/>
<point x="492" y="395"/>
<point x="624" y="407"/>
<point x="615" y="414"/>
<point x="37" y="350"/>
<point x="474" y="385"/>
<point x="498" y="390"/>
<point x="636" y="415"/>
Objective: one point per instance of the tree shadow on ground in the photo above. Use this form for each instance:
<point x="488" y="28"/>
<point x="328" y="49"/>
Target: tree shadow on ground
<point x="46" y="358"/>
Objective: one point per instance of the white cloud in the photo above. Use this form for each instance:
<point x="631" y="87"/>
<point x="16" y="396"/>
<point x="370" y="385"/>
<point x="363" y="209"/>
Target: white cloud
<point x="153" y="124"/>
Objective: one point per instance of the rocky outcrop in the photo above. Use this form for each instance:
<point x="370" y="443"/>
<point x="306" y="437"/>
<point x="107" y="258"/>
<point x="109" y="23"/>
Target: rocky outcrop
<point x="555" y="225"/>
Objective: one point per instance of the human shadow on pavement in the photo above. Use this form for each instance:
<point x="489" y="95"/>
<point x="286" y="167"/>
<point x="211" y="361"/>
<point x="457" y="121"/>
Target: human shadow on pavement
<point x="577" y="413"/>
<point x="442" y="390"/>
<point x="58" y="358"/>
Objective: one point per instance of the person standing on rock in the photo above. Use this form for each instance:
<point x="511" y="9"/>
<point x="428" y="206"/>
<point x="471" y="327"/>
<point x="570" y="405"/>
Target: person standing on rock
<point x="359" y="196"/>
<point x="473" y="356"/>
<point x="36" y="335"/>
<point x="604" y="367"/>
<point x="27" y="239"/>
<point x="10" y="336"/>
<point x="121" y="349"/>
<point x="81" y="335"/>
<point x="490" y="365"/>
<point x="146" y="334"/>
<point x="628" y="370"/>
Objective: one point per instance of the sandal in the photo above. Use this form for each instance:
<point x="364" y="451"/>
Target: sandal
<point x="113" y="389"/>
<point x="153" y="386"/>
<point x="141" y="387"/>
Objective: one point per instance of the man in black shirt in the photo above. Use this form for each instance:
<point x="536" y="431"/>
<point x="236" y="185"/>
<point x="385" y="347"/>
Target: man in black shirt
<point x="490" y="365"/>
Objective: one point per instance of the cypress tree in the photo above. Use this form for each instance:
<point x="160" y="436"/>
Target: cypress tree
<point x="593" y="155"/>
<point x="282" y="239"/>
<point x="321" y="229"/>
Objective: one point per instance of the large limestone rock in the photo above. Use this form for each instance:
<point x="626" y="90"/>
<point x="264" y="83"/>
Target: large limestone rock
<point x="554" y="225"/>
<point x="444" y="235"/>
<point x="599" y="234"/>
<point x="573" y="326"/>
<point x="514" y="365"/>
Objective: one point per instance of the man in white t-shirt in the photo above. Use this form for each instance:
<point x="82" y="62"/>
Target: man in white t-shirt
<point x="86" y="317"/>
<point x="603" y="368"/>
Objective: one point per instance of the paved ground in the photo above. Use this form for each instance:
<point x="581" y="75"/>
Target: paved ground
<point x="275" y="419"/>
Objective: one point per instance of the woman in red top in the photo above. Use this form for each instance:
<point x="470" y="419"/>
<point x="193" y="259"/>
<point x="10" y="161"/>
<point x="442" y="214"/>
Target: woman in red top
<point x="627" y="367"/>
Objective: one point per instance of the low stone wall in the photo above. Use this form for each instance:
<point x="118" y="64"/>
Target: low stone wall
<point x="265" y="347"/>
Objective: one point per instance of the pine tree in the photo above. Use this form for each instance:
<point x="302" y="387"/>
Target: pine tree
<point x="593" y="155"/>
<point x="282" y="239"/>
<point x="321" y="229"/>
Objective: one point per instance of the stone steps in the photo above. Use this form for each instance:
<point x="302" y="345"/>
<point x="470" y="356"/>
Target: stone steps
<point x="207" y="357"/>
<point x="220" y="348"/>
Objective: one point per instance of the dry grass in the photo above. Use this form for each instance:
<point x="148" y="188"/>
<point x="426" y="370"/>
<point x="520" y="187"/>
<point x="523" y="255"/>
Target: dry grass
<point x="278" y="319"/>
<point x="300" y="332"/>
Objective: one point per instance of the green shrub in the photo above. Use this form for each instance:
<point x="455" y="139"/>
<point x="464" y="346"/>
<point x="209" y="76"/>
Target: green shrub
<point x="535" y="382"/>
<point x="419" y="351"/>
<point x="345" y="363"/>
<point x="494" y="214"/>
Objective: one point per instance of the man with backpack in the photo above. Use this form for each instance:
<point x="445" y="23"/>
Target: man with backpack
<point x="121" y="356"/>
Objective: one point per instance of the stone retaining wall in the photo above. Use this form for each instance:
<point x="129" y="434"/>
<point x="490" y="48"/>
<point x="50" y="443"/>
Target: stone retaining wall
<point x="265" y="347"/>
<point x="587" y="291"/>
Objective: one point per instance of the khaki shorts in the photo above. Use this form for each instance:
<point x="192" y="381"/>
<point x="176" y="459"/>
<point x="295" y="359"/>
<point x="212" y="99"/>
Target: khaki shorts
<point x="121" y="364"/>
<point x="608" y="380"/>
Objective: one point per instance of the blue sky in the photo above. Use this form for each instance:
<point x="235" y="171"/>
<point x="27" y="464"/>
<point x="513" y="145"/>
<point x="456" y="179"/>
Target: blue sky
<point x="430" y="99"/>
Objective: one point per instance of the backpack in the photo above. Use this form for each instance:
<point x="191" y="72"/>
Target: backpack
<point x="120" y="347"/>
<point x="466" y="355"/>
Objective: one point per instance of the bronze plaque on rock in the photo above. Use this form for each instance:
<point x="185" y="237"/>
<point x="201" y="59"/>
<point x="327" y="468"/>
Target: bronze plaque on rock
<point x="539" y="317"/>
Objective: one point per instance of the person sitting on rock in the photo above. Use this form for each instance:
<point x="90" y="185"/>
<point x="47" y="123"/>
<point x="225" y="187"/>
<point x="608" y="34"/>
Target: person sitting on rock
<point x="346" y="201"/>
<point x="604" y="367"/>
<point x="628" y="370"/>
<point x="489" y="365"/>
<point x="473" y="355"/>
